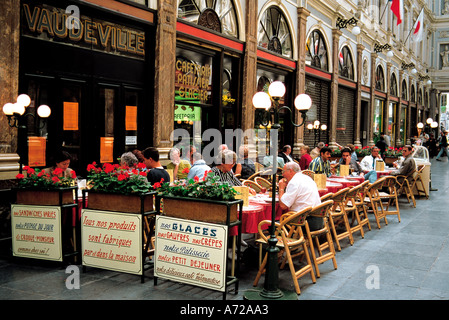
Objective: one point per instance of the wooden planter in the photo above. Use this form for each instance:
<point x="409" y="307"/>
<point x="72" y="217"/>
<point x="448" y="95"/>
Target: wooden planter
<point x="44" y="197"/>
<point x="201" y="210"/>
<point x="120" y="202"/>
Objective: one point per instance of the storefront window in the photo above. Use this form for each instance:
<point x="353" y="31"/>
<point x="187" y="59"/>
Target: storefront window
<point x="380" y="83"/>
<point x="316" y="51"/>
<point x="274" y="33"/>
<point x="217" y="15"/>
<point x="402" y="125"/>
<point x="393" y="85"/>
<point x="345" y="65"/>
<point x="404" y="90"/>
<point x="391" y="119"/>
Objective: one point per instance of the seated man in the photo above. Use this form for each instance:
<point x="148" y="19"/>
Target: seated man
<point x="368" y="164"/>
<point x="321" y="164"/>
<point x="298" y="191"/>
<point x="156" y="171"/>
<point x="408" y="165"/>
<point x="346" y="159"/>
<point x="199" y="167"/>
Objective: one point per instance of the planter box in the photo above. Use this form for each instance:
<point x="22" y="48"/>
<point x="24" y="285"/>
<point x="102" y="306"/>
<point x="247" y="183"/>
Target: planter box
<point x="44" y="197"/>
<point x="389" y="160"/>
<point x="201" y="210"/>
<point x="120" y="202"/>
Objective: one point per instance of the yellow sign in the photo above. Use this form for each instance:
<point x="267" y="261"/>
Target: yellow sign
<point x="320" y="180"/>
<point x="344" y="170"/>
<point x="243" y="194"/>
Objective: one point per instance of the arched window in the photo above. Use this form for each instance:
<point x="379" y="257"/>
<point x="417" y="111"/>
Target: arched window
<point x="393" y="85"/>
<point x="345" y="64"/>
<point x="380" y="82"/>
<point x="404" y="90"/>
<point x="274" y="33"/>
<point x="412" y="94"/>
<point x="217" y="15"/>
<point x="316" y="51"/>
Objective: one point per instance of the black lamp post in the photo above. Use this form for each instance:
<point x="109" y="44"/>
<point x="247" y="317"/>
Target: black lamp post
<point x="316" y="127"/>
<point x="270" y="102"/>
<point x="15" y="112"/>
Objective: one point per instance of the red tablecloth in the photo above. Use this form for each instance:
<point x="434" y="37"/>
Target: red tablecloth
<point x="333" y="186"/>
<point x="358" y="178"/>
<point x="258" y="210"/>
<point x="381" y="174"/>
<point x="322" y="192"/>
<point x="345" y="182"/>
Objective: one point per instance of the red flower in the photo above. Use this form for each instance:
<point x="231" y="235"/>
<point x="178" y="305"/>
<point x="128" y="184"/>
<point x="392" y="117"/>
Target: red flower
<point x="122" y="177"/>
<point x="162" y="180"/>
<point x="55" y="179"/>
<point x="196" y="179"/>
<point x="57" y="171"/>
<point x="141" y="165"/>
<point x="90" y="167"/>
<point x="143" y="173"/>
<point x="186" y="170"/>
<point x="73" y="174"/>
<point x="40" y="174"/>
<point x="20" y="176"/>
<point x="156" y="185"/>
<point x="108" y="168"/>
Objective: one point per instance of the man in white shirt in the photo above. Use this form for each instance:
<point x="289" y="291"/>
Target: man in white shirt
<point x="298" y="191"/>
<point x="368" y="164"/>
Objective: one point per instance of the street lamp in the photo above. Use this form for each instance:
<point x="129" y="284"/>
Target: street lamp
<point x="15" y="112"/>
<point x="316" y="129"/>
<point x="270" y="102"/>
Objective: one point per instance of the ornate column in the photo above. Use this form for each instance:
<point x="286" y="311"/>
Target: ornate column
<point x="372" y="99"/>
<point x="303" y="13"/>
<point x="164" y="79"/>
<point x="358" y="109"/>
<point x="398" y="111"/>
<point x="9" y="82"/>
<point x="334" y="89"/>
<point x="387" y="101"/>
<point x="409" y="112"/>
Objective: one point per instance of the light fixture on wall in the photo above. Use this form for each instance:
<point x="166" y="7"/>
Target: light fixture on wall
<point x="343" y="23"/>
<point x="380" y="48"/>
<point x="423" y="78"/>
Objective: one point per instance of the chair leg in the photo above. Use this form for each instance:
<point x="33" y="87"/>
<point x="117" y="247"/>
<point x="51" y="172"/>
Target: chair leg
<point x="334" y="232"/>
<point x="261" y="270"/>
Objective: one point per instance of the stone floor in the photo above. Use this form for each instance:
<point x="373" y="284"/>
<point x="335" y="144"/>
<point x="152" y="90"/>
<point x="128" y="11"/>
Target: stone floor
<point x="401" y="261"/>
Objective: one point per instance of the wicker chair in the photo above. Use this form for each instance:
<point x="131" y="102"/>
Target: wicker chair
<point x="290" y="238"/>
<point x="264" y="183"/>
<point x="375" y="202"/>
<point x="338" y="215"/>
<point x="352" y="207"/>
<point x="309" y="173"/>
<point x="390" y="198"/>
<point x="252" y="185"/>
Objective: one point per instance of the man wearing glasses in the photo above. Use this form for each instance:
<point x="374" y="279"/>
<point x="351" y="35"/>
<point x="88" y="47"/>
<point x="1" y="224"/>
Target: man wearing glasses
<point x="368" y="164"/>
<point x="298" y="191"/>
<point x="408" y="165"/>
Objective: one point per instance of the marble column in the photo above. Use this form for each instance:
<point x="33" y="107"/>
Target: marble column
<point x="372" y="99"/>
<point x="358" y="109"/>
<point x="334" y="89"/>
<point x="398" y="111"/>
<point x="164" y="80"/>
<point x="9" y="84"/>
<point x="303" y="13"/>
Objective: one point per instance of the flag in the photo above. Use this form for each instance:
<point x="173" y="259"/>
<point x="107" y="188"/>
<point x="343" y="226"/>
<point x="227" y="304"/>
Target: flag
<point x="340" y="56"/>
<point x="397" y="6"/>
<point x="418" y="27"/>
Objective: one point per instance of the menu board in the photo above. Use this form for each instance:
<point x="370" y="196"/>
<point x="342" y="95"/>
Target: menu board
<point x="106" y="149"/>
<point x="36" y="232"/>
<point x="131" y="118"/>
<point x="112" y="241"/>
<point x="36" y="151"/>
<point x="70" y="120"/>
<point x="191" y="252"/>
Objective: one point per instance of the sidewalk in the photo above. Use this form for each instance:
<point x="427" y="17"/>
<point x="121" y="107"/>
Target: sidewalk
<point x="401" y="261"/>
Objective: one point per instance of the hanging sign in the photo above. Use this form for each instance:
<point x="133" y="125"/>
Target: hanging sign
<point x="36" y="151"/>
<point x="106" y="149"/>
<point x="70" y="121"/>
<point x="191" y="252"/>
<point x="131" y="118"/>
<point x="36" y="232"/>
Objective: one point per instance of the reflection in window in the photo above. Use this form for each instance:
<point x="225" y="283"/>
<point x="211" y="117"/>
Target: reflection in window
<point x="393" y="85"/>
<point x="316" y="51"/>
<point x="380" y="83"/>
<point x="345" y="65"/>
<point x="404" y="90"/>
<point x="217" y="15"/>
<point x="274" y="34"/>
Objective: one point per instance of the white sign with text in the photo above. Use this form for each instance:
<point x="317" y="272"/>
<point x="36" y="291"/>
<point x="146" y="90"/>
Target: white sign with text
<point x="112" y="241"/>
<point x="191" y="252"/>
<point x="36" y="232"/>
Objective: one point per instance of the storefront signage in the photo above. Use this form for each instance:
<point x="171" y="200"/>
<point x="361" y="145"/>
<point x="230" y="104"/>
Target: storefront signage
<point x="187" y="113"/>
<point x="192" y="80"/>
<point x="37" y="147"/>
<point x="191" y="252"/>
<point x="55" y="24"/>
<point x="112" y="241"/>
<point x="36" y="232"/>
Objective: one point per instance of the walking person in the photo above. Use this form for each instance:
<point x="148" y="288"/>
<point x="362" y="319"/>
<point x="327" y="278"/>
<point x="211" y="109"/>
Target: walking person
<point x="443" y="146"/>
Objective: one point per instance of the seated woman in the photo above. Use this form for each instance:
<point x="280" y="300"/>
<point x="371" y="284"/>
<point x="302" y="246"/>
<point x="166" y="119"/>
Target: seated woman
<point x="61" y="161"/>
<point x="178" y="165"/>
<point x="128" y="159"/>
<point x="225" y="161"/>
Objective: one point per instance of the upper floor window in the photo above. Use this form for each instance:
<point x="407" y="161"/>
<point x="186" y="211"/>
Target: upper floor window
<point x="316" y="51"/>
<point x="274" y="33"/>
<point x="217" y="15"/>
<point x="412" y="94"/>
<point x="380" y="82"/>
<point x="393" y="85"/>
<point x="345" y="64"/>
<point x="404" y="90"/>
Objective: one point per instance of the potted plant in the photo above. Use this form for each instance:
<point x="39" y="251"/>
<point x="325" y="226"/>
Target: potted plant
<point x="204" y="200"/>
<point x="122" y="189"/>
<point x="392" y="154"/>
<point x="40" y="188"/>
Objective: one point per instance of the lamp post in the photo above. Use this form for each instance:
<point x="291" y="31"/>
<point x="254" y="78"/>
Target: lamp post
<point x="316" y="129"/>
<point x="15" y="112"/>
<point x="270" y="102"/>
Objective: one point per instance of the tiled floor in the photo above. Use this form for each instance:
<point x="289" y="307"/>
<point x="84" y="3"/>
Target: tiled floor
<point x="401" y="261"/>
